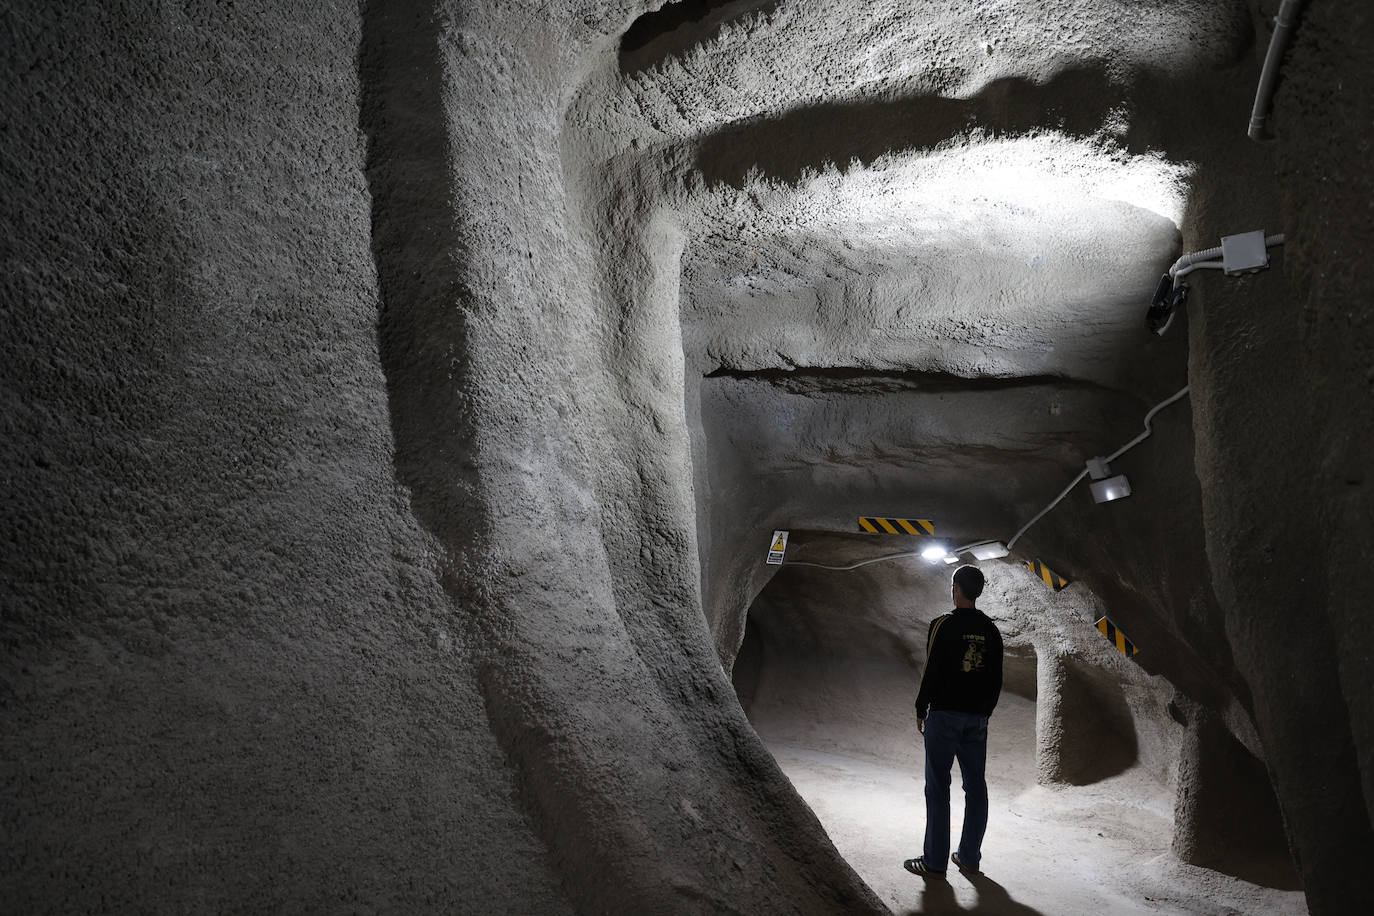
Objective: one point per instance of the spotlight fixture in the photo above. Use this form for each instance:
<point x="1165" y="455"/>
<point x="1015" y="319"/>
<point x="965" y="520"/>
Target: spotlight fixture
<point x="1106" y="487"/>
<point x="935" y="552"/>
<point x="1167" y="298"/>
<point x="1246" y="252"/>
<point x="951" y="558"/>
<point x="1104" y="491"/>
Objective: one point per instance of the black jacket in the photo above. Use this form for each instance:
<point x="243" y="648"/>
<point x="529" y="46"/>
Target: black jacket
<point x="963" y="664"/>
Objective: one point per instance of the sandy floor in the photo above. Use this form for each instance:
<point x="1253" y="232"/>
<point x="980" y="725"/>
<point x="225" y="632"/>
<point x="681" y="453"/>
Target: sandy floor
<point x="1102" y="849"/>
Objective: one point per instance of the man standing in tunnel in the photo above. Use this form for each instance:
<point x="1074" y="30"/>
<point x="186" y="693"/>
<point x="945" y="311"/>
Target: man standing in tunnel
<point x="959" y="689"/>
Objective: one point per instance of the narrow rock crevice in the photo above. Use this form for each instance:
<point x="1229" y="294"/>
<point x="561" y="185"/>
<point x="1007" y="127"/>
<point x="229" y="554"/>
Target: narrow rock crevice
<point x="679" y="26"/>
<point x="858" y="380"/>
<point x="421" y="323"/>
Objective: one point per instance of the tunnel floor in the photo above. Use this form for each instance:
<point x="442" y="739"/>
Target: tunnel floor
<point x="1067" y="851"/>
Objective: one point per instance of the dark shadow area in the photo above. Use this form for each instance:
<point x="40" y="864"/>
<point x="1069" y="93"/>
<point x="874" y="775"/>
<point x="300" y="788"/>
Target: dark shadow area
<point x="1075" y="101"/>
<point x="1160" y="597"/>
<point x="812" y="380"/>
<point x="1018" y="672"/>
<point x="1226" y="816"/>
<point x="748" y="666"/>
<point x="993" y="899"/>
<point x="678" y="27"/>
<point x="414" y="235"/>
<point x="1099" y="732"/>
<point x="938" y="897"/>
<point x="1199" y="664"/>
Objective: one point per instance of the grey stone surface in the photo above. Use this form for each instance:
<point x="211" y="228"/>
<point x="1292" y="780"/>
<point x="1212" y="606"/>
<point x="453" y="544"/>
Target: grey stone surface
<point x="231" y="677"/>
<point x="397" y="399"/>
<point x="1283" y="423"/>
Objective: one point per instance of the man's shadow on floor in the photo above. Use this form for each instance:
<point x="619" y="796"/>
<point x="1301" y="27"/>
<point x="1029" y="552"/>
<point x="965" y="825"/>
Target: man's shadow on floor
<point x="993" y="899"/>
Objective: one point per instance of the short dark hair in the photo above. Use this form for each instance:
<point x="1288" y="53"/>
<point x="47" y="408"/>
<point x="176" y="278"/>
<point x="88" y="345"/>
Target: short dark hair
<point x="970" y="581"/>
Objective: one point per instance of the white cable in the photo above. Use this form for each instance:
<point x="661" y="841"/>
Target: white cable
<point x="1216" y="265"/>
<point x="1191" y="260"/>
<point x="891" y="556"/>
<point x="1193" y="257"/>
<point x="1041" y="514"/>
<point x="1114" y="455"/>
<point x="1177" y="395"/>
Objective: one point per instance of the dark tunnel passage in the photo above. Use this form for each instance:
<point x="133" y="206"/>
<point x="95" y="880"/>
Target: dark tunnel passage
<point x="400" y="401"/>
<point x="1087" y="752"/>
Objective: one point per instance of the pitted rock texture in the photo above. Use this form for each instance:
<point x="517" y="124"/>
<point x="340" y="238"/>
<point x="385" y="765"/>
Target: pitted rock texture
<point x="396" y="399"/>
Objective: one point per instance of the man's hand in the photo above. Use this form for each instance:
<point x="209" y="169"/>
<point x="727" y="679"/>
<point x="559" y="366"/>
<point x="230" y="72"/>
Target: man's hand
<point x="921" y="725"/>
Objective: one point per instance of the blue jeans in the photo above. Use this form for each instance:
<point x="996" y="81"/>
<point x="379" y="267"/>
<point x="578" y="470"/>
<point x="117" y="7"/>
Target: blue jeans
<point x="965" y="736"/>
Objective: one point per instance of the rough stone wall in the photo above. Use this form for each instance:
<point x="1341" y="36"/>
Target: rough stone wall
<point x="643" y="775"/>
<point x="230" y="677"/>
<point x="1282" y="410"/>
<point x="1225" y="817"/>
<point x="258" y="652"/>
<point x="349" y="543"/>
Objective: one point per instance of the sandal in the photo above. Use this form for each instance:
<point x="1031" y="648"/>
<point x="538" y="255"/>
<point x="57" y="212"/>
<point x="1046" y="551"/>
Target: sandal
<point x="917" y="866"/>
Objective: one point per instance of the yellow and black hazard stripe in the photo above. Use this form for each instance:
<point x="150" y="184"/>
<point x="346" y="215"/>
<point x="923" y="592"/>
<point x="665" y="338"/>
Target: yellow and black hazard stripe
<point x="1049" y="576"/>
<point x="1116" y="637"/>
<point x="917" y="526"/>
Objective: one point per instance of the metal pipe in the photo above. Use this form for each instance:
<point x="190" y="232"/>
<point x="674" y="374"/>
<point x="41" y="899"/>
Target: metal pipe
<point x="1269" y="75"/>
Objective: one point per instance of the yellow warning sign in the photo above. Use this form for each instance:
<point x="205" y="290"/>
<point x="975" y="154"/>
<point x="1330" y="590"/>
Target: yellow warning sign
<point x="778" y="548"/>
<point x="1116" y="637"/>
<point x="1050" y="577"/>
<point x="916" y="526"/>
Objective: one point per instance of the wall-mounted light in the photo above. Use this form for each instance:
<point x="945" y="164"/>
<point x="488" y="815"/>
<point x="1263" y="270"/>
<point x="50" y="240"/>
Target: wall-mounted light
<point x="1104" y="491"/>
<point x="935" y="552"/>
<point x="1106" y="486"/>
<point x="992" y="550"/>
<point x="981" y="550"/>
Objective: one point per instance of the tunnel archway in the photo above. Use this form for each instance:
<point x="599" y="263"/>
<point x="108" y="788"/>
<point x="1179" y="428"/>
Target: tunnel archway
<point x="368" y="449"/>
<point x="1086" y="749"/>
<point x="827" y="673"/>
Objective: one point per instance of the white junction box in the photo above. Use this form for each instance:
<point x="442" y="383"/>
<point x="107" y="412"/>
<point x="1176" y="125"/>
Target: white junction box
<point x="1244" y="252"/>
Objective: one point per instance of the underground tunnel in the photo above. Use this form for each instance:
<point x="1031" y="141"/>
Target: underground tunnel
<point x="403" y="401"/>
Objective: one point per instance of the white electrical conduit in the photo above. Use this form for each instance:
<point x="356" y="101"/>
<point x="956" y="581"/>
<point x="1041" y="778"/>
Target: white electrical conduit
<point x="1177" y="395"/>
<point x="1181" y="393"/>
<point x="1214" y="265"/>
<point x="1278" y="44"/>
<point x="1208" y="258"/>
<point x="1041" y="514"/>
<point x="890" y="556"/>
